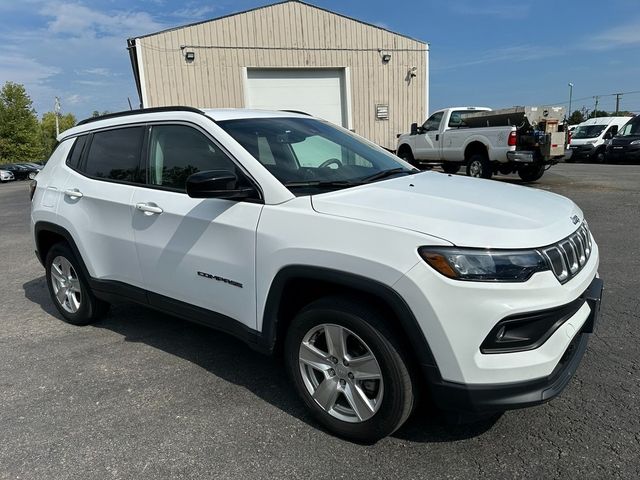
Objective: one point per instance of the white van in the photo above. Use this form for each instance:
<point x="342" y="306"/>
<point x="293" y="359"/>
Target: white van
<point x="588" y="140"/>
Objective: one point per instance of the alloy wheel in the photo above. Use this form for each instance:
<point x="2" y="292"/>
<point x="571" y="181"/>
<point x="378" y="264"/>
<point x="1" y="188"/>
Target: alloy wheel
<point x="475" y="169"/>
<point x="66" y="284"/>
<point x="341" y="373"/>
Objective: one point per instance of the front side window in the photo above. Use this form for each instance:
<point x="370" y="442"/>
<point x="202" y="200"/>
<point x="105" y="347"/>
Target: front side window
<point x="177" y="151"/>
<point x="115" y="154"/>
<point x="433" y="122"/>
<point x="631" y="128"/>
<point x="307" y="154"/>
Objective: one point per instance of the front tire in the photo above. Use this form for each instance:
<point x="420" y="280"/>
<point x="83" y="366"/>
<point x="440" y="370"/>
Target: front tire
<point x="405" y="153"/>
<point x="599" y="155"/>
<point x="479" y="166"/>
<point x="451" y="167"/>
<point x="69" y="288"/>
<point x="348" y="368"/>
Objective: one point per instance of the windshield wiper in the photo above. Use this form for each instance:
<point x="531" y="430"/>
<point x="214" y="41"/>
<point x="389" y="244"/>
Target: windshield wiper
<point x="321" y="184"/>
<point x="387" y="173"/>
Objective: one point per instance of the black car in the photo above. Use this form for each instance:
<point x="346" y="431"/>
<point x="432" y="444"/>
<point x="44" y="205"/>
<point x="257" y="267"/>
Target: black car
<point x="19" y="172"/>
<point x="33" y="168"/>
<point x="625" y="146"/>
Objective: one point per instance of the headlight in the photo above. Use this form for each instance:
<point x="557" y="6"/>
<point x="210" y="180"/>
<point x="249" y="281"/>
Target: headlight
<point x="484" y="265"/>
<point x="635" y="142"/>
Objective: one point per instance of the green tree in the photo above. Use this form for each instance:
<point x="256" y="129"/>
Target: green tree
<point x="576" y="117"/>
<point x="48" y="129"/>
<point x="599" y="113"/>
<point x="96" y="113"/>
<point x="19" y="129"/>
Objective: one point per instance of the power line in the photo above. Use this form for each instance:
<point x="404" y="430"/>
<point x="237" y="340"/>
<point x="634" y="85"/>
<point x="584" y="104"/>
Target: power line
<point x="590" y="97"/>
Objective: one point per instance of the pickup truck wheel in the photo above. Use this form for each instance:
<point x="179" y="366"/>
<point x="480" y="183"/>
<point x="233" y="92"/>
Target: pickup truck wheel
<point x="451" y="167"/>
<point x="531" y="173"/>
<point x="69" y="289"/>
<point x="479" y="166"/>
<point x="406" y="154"/>
<point x="349" y="370"/>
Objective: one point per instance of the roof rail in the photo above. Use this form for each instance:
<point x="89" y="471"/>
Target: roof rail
<point x="140" y="111"/>
<point x="298" y="112"/>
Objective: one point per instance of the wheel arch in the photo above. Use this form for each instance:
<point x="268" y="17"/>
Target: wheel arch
<point x="475" y="147"/>
<point x="301" y="284"/>
<point x="47" y="234"/>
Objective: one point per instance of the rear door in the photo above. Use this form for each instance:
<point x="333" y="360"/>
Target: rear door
<point x="96" y="203"/>
<point x="197" y="251"/>
<point x="427" y="143"/>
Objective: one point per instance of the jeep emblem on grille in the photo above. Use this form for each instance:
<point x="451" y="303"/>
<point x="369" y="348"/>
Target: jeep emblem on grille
<point x="575" y="219"/>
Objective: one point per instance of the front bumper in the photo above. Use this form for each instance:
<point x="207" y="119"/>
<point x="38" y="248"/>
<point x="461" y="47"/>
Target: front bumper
<point x="487" y="398"/>
<point x="627" y="153"/>
<point x="582" y="151"/>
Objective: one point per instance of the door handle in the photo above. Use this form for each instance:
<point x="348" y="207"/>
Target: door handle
<point x="73" y="193"/>
<point x="149" y="209"/>
<point x="437" y="136"/>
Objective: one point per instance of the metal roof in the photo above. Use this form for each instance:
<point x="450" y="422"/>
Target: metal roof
<point x="271" y="5"/>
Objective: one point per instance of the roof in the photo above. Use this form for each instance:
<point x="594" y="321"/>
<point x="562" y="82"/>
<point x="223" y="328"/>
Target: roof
<point x="604" y="120"/>
<point x="271" y="5"/>
<point x="171" y="113"/>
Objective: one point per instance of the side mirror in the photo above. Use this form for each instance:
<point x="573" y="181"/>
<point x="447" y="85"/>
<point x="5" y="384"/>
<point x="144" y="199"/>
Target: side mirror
<point x="218" y="184"/>
<point x="414" y="129"/>
<point x="608" y="136"/>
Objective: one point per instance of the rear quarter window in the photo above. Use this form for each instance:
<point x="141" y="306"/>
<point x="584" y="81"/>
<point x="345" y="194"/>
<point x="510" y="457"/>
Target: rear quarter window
<point x="73" y="159"/>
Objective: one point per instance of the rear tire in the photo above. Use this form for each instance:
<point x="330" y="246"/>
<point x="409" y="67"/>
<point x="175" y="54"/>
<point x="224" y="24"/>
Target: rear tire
<point x="531" y="173"/>
<point x="69" y="288"/>
<point x="479" y="166"/>
<point x="363" y="392"/>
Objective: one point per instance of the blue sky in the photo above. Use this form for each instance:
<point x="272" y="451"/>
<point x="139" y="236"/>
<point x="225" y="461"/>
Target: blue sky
<point x="491" y="52"/>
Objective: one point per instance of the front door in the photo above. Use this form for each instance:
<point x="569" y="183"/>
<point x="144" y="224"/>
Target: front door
<point x="427" y="145"/>
<point x="197" y="251"/>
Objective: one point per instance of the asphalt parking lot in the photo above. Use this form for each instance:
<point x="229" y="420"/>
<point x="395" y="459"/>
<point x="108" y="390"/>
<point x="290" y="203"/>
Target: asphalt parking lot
<point x="144" y="395"/>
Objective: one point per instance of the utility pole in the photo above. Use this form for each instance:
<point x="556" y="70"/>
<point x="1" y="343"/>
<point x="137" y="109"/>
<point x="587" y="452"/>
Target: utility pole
<point x="595" y="111"/>
<point x="618" y="95"/>
<point x="56" y="112"/>
<point x="570" y="95"/>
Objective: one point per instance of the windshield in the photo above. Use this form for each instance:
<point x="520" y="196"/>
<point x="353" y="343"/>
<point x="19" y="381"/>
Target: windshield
<point x="588" y="131"/>
<point x="631" y="128"/>
<point x="307" y="154"/>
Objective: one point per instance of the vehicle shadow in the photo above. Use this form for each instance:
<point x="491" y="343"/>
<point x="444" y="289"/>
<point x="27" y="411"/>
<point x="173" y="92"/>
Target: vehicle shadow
<point x="233" y="361"/>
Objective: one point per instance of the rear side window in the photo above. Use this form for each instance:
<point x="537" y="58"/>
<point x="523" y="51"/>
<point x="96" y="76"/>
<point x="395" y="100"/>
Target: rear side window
<point x="73" y="160"/>
<point x="115" y="154"/>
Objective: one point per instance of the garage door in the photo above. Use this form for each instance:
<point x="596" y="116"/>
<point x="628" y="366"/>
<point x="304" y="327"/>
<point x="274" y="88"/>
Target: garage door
<point x="319" y="92"/>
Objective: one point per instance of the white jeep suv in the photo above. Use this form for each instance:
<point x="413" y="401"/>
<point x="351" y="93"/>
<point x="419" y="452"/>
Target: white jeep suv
<point x="374" y="280"/>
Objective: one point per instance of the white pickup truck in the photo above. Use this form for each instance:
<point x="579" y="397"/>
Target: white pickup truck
<point x="525" y="140"/>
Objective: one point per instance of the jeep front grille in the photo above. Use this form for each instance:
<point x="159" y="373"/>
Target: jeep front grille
<point x="567" y="257"/>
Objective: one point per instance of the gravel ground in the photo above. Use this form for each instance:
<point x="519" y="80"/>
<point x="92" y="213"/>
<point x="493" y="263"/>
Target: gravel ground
<point x="143" y="395"/>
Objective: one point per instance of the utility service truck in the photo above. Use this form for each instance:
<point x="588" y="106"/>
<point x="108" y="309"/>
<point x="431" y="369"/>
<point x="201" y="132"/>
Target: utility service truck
<point x="523" y="140"/>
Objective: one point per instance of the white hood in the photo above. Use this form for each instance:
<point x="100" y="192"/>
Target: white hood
<point x="465" y="211"/>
